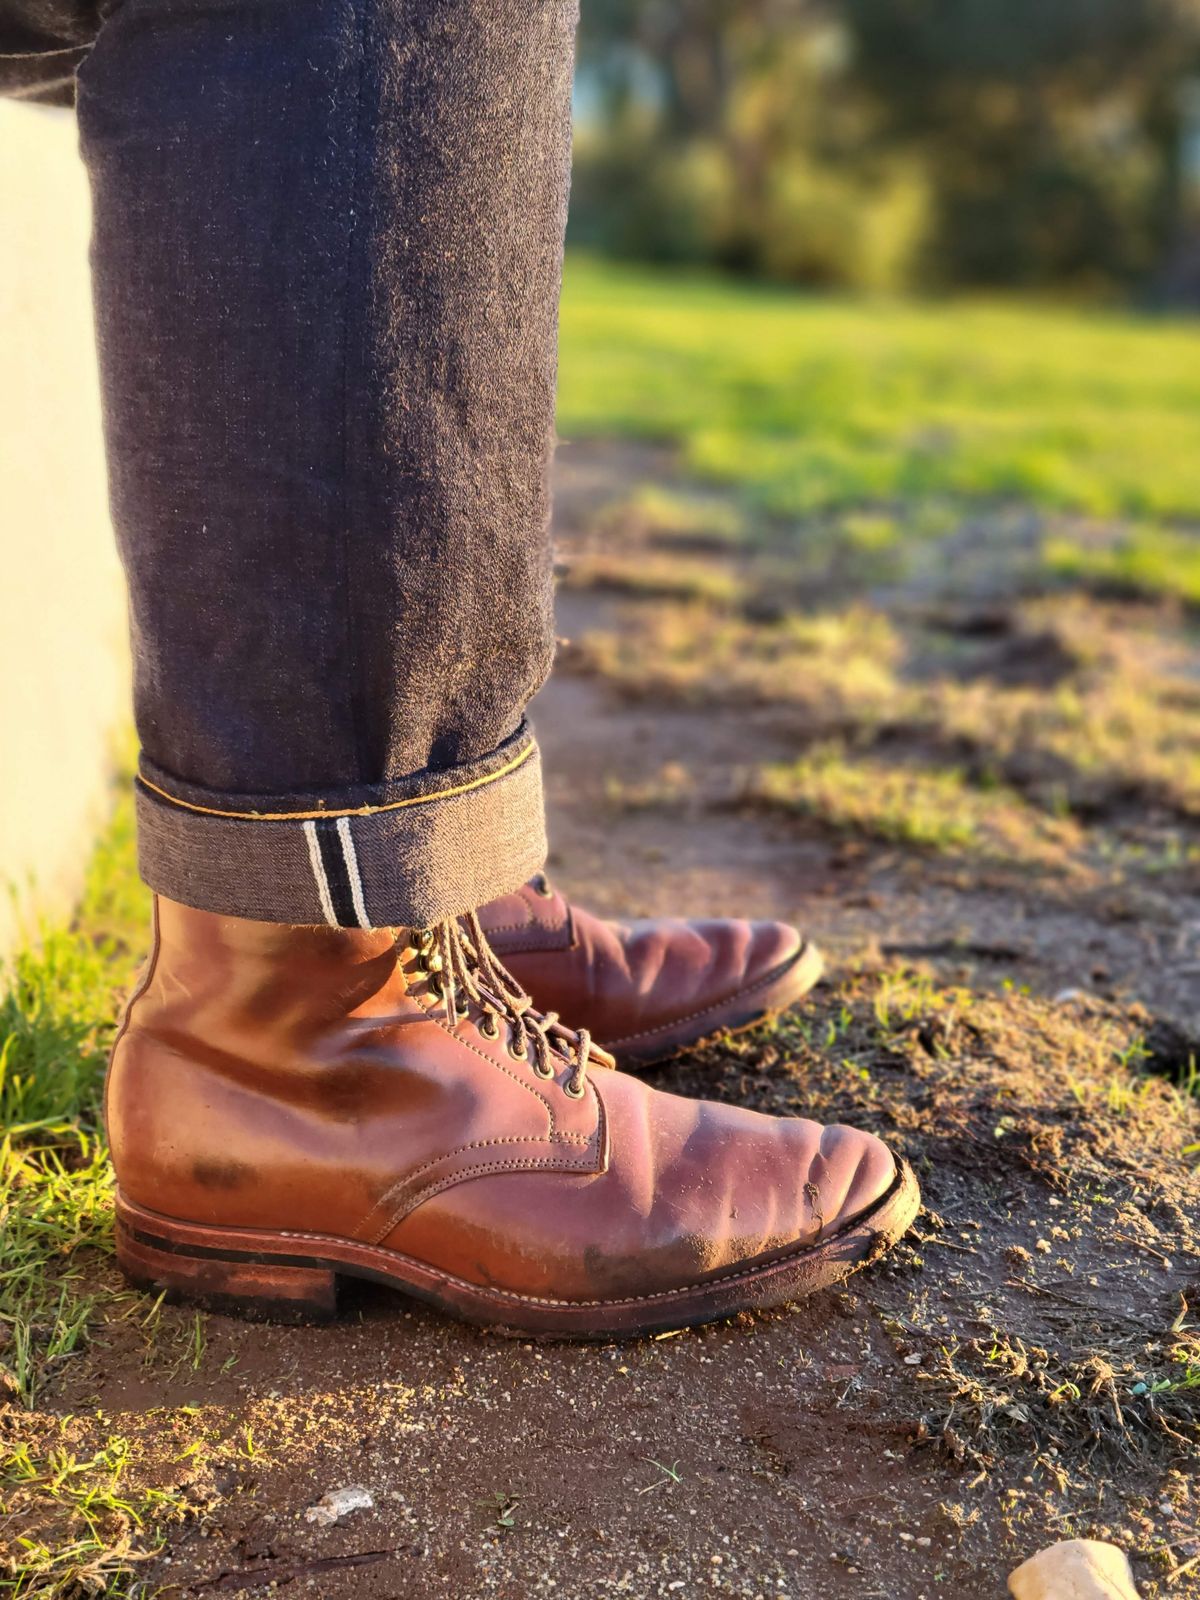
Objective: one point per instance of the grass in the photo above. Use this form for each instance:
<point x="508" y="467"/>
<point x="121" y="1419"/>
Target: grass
<point x="96" y="1524"/>
<point x="928" y="808"/>
<point x="808" y="402"/>
<point x="664" y="577"/>
<point x="1144" y="560"/>
<point x="675" y="518"/>
<point x="78" y="1515"/>
<point x="831" y="666"/>
<point x="57" y="1015"/>
<point x="77" y="1521"/>
<point x="1101" y="707"/>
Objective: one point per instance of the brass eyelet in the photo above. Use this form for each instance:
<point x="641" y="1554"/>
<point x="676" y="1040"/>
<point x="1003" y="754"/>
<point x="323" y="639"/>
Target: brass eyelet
<point x="518" y="1055"/>
<point x="489" y="1027"/>
<point x="543" y="1069"/>
<point x="575" y="1090"/>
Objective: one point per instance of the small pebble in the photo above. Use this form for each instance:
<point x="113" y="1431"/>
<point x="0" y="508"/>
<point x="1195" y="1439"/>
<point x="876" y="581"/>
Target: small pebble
<point x="335" y="1504"/>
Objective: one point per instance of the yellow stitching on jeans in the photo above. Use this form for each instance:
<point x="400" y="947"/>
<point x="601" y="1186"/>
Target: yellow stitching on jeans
<point x="358" y="811"/>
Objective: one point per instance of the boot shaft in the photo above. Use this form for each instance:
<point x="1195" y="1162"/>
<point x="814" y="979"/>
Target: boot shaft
<point x="274" y="1075"/>
<point x="211" y="975"/>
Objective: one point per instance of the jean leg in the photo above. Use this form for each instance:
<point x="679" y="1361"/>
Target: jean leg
<point x="327" y="251"/>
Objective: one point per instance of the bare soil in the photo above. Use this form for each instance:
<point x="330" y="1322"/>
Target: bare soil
<point x="1026" y="1367"/>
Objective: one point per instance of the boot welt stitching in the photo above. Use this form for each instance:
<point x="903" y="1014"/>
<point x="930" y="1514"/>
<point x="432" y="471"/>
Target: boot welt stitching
<point x="719" y="1280"/>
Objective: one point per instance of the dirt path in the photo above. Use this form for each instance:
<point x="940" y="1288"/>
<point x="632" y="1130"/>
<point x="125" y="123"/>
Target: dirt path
<point x="857" y="897"/>
<point x="1018" y="1373"/>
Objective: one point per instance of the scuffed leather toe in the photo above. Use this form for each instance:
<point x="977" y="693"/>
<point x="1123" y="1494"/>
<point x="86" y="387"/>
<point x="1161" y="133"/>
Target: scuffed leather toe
<point x="852" y="1170"/>
<point x="694" y="1190"/>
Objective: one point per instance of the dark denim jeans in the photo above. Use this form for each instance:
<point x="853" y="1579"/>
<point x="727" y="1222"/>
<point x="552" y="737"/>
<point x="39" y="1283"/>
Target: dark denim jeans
<point x="327" y="252"/>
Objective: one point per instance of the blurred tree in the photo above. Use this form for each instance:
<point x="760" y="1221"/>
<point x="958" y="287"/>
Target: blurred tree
<point x="734" y="132"/>
<point x="1049" y="131"/>
<point x="881" y="142"/>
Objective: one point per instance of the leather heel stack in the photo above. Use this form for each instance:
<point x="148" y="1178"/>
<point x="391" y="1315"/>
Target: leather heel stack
<point x="266" y="1289"/>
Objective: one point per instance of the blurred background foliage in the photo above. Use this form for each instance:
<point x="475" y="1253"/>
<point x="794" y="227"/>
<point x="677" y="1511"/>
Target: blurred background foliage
<point x="897" y="145"/>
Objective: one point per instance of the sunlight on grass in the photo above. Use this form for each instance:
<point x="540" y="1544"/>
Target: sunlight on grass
<point x="930" y="808"/>
<point x="1145" y="560"/>
<point x="1123" y="717"/>
<point x="57" y="1015"/>
<point x="673" y="517"/>
<point x="96" y="1524"/>
<point x="75" y="1523"/>
<point x="832" y="664"/>
<point x="810" y="402"/>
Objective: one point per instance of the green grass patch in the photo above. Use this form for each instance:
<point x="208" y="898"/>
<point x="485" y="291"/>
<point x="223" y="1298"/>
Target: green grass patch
<point x="76" y="1521"/>
<point x="931" y="808"/>
<point x="809" y="402"/>
<point x="673" y="516"/>
<point x="835" y="665"/>
<point x="58" y="1006"/>
<point x="1145" y="560"/>
<point x="91" y="1522"/>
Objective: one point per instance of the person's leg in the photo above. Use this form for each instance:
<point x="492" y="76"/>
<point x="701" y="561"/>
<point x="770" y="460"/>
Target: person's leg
<point x="327" y="258"/>
<point x="327" y="253"/>
<point x="328" y="384"/>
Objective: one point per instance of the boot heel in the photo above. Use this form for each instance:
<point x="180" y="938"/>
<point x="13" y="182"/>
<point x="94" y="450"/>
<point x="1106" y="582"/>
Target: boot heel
<point x="260" y="1287"/>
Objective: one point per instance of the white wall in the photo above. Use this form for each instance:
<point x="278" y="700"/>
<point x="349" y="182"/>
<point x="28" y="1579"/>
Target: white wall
<point x="63" y="656"/>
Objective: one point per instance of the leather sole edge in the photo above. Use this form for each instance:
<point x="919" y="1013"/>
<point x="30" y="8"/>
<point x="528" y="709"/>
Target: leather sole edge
<point x="281" y="1276"/>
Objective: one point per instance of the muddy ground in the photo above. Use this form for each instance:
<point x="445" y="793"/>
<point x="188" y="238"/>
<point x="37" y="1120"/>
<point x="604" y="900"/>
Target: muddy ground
<point x="981" y="794"/>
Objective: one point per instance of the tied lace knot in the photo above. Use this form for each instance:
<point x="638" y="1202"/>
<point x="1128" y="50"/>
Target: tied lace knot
<point x="464" y="971"/>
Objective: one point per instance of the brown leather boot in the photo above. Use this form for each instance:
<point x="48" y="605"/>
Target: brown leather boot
<point x="647" y="990"/>
<point x="287" y="1106"/>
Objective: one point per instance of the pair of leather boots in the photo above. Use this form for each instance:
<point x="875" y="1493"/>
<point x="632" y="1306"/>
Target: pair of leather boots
<point x="290" y="1106"/>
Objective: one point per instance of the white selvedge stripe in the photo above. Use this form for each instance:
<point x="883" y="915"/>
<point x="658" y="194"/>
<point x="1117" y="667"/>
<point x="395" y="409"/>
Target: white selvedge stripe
<point x="350" y="857"/>
<point x="318" y="868"/>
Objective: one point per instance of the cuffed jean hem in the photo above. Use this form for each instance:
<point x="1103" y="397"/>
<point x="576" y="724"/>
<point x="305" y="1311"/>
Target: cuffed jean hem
<point x="404" y="854"/>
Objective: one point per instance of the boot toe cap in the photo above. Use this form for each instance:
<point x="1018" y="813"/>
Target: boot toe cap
<point x="851" y="1172"/>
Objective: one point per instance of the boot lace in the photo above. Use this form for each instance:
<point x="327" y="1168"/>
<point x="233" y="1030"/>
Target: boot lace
<point x="464" y="971"/>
